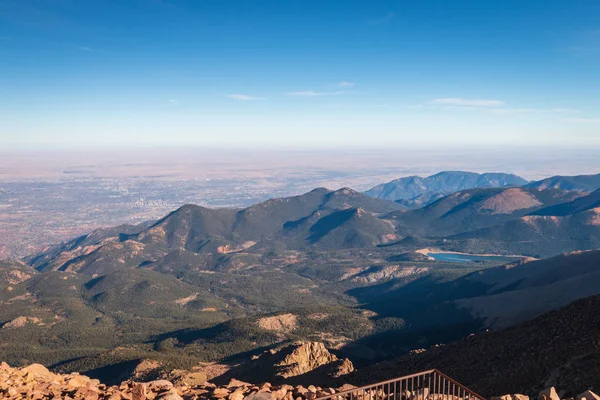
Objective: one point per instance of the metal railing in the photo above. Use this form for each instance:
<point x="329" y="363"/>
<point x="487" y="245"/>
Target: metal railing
<point x="426" y="385"/>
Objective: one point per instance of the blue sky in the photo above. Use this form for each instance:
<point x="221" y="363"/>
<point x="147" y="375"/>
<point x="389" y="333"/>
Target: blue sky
<point x="378" y="73"/>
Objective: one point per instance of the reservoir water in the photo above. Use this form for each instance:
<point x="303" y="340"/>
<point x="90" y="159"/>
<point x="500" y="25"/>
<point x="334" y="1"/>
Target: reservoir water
<point x="462" y="258"/>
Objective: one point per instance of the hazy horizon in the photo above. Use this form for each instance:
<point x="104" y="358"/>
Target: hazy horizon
<point x="352" y="162"/>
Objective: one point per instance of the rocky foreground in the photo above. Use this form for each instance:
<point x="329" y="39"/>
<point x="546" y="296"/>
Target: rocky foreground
<point x="36" y="382"/>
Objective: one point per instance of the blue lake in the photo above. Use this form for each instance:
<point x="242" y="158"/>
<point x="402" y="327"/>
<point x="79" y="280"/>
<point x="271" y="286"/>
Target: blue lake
<point x="462" y="258"/>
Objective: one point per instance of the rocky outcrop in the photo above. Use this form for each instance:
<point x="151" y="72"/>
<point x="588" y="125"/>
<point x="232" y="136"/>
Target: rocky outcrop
<point x="147" y="370"/>
<point x="283" y="323"/>
<point x="304" y="357"/>
<point x="293" y="363"/>
<point x="21" y="322"/>
<point x="384" y="273"/>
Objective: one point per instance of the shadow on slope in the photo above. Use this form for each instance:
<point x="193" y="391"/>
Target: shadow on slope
<point x="560" y="348"/>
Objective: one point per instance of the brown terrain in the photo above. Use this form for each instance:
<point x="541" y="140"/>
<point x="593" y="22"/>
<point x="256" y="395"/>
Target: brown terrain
<point x="560" y="348"/>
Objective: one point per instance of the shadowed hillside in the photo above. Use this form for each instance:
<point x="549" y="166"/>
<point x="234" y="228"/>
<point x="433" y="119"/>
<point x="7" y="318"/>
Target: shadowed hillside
<point x="560" y="348"/>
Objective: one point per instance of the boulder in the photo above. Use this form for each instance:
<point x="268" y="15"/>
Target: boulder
<point x="345" y="387"/>
<point x="138" y="392"/>
<point x="588" y="395"/>
<point x="548" y="394"/>
<point x="259" y="396"/>
<point x="238" y="394"/>
<point x="279" y="394"/>
<point x="220" y="393"/>
<point x="234" y="383"/>
<point x="78" y="381"/>
<point x="169" y="396"/>
<point x="160" y="385"/>
<point x="38" y="371"/>
<point x="300" y="390"/>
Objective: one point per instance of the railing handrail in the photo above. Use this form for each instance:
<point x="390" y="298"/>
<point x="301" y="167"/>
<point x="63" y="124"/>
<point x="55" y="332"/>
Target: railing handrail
<point x="459" y="384"/>
<point x="356" y="389"/>
<point x="399" y="379"/>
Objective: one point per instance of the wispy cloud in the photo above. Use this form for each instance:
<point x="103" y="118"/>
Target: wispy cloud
<point x="173" y="101"/>
<point x="565" y="110"/>
<point x="244" y="97"/>
<point x="492" y="106"/>
<point x="381" y="21"/>
<point x="534" y="110"/>
<point x="345" y="84"/>
<point x="584" y="120"/>
<point x="84" y="48"/>
<point x="380" y="106"/>
<point x="312" y="93"/>
<point x="461" y="102"/>
<point x="503" y="111"/>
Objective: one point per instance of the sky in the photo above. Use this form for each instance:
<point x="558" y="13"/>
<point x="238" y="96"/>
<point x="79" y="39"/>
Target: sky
<point x="116" y="73"/>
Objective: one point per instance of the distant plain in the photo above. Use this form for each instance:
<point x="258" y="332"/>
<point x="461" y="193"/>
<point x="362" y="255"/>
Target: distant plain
<point x="48" y="196"/>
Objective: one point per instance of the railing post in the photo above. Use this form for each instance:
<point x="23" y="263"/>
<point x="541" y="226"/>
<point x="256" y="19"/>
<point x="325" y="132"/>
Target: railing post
<point x="426" y="385"/>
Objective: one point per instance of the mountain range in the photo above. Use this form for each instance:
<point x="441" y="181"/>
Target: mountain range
<point x="354" y="272"/>
<point x="416" y="190"/>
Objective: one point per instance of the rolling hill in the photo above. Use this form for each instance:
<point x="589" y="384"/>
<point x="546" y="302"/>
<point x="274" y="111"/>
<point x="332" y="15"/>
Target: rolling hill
<point x="563" y="227"/>
<point x="581" y="183"/>
<point x="580" y="204"/>
<point x="473" y="209"/>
